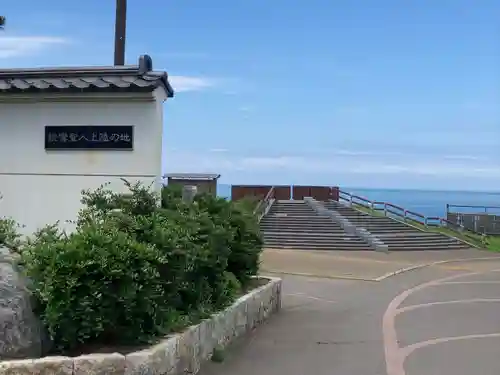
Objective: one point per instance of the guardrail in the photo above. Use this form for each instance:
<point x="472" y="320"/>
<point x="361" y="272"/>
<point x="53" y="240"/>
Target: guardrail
<point x="264" y="205"/>
<point x="391" y="210"/>
<point x="483" y="209"/>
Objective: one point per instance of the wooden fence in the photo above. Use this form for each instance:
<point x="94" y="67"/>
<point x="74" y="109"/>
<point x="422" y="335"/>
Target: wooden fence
<point x="285" y="192"/>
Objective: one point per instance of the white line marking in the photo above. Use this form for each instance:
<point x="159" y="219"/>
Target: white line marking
<point x="419" y="266"/>
<point x="407" y="350"/>
<point x="303" y="295"/>
<point x="394" y="355"/>
<point x="430" y="304"/>
<point x="470" y="282"/>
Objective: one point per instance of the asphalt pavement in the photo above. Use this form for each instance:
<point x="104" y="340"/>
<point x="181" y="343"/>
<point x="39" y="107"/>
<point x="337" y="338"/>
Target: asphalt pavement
<point x="433" y="320"/>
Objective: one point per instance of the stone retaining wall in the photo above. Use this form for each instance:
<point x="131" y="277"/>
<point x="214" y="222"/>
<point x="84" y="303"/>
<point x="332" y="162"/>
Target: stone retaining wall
<point x="177" y="354"/>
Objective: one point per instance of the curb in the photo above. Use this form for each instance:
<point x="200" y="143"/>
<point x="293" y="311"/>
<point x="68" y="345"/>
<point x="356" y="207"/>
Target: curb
<point x="176" y="354"/>
<point x="312" y="275"/>
<point x="419" y="266"/>
<point x="380" y="278"/>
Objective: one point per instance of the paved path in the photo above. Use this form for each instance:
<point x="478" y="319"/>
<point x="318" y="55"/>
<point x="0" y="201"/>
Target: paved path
<point x="430" y="321"/>
<point x="362" y="265"/>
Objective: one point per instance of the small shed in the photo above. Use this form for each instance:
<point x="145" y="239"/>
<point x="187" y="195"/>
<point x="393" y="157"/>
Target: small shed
<point x="204" y="182"/>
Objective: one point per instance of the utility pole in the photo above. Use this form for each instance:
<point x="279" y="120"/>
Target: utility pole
<point x="120" y="31"/>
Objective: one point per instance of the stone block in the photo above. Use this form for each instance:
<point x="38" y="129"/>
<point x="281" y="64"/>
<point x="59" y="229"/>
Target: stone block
<point x="99" y="364"/>
<point x="218" y="328"/>
<point x="241" y="312"/>
<point x="188" y="351"/>
<point x="252" y="313"/>
<point x="208" y="340"/>
<point x="21" y="367"/>
<point x="21" y="332"/>
<point x="139" y="363"/>
<point x="276" y="284"/>
<point x="178" y="354"/>
<point x="164" y="355"/>
<point x="229" y="323"/>
<point x="53" y="366"/>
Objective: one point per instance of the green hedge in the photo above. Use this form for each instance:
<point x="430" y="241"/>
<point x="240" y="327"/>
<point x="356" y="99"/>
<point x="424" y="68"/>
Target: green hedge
<point x="133" y="271"/>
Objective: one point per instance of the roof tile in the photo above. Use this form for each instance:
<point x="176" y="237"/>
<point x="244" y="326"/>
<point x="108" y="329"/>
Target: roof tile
<point x="116" y="78"/>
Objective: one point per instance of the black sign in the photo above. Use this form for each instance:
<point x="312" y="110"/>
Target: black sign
<point x="89" y="137"/>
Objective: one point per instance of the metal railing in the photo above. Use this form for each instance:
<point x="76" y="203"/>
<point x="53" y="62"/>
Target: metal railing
<point x="482" y="209"/>
<point x="264" y="205"/>
<point x="394" y="211"/>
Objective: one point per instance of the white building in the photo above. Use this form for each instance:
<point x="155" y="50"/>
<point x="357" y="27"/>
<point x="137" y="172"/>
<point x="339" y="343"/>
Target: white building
<point x="67" y="129"/>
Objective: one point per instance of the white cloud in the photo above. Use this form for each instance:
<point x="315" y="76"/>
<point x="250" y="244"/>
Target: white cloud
<point x="15" y="46"/>
<point x="218" y="150"/>
<point x="341" y="164"/>
<point x="463" y="157"/>
<point x="187" y="83"/>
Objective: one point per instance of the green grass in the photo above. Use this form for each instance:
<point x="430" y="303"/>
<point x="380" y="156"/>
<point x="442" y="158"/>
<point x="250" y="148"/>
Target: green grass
<point x="491" y="243"/>
<point x="218" y="355"/>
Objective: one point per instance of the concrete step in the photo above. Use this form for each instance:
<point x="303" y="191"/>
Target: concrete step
<point x="293" y="213"/>
<point x="304" y="244"/>
<point x="417" y="235"/>
<point x="305" y="209"/>
<point x="311" y="218"/>
<point x="289" y="229"/>
<point x="296" y="225"/>
<point x="311" y="245"/>
<point x="426" y="248"/>
<point x="321" y="236"/>
<point x="300" y="222"/>
<point x="315" y="231"/>
<point x="307" y="247"/>
<point x="421" y="244"/>
<point x="268" y="224"/>
<point x="385" y="227"/>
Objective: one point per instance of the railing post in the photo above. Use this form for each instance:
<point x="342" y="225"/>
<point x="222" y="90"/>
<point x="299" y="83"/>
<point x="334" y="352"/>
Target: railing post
<point x="404" y="215"/>
<point x="372" y="206"/>
<point x="350" y="199"/>
<point x="385" y="209"/>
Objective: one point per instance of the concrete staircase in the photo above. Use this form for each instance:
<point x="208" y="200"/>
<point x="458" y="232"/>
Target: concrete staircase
<point x="295" y="225"/>
<point x="373" y="224"/>
<point x="397" y="235"/>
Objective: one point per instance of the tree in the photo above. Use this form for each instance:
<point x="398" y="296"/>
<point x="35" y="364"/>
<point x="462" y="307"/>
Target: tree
<point x="2" y="22"/>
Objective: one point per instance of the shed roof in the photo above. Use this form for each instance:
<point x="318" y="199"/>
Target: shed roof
<point x="140" y="77"/>
<point x="192" y="176"/>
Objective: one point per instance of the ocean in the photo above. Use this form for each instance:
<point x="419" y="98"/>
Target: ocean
<point x="426" y="202"/>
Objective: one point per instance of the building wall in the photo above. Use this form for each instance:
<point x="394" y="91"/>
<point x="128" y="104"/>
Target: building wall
<point x="40" y="187"/>
<point x="204" y="186"/>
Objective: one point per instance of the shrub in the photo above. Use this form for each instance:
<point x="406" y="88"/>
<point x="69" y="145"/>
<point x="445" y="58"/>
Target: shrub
<point x="245" y="242"/>
<point x="9" y="232"/>
<point x="97" y="285"/>
<point x="133" y="270"/>
<point x="9" y="235"/>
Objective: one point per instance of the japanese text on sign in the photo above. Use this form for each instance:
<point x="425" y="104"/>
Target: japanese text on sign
<point x="94" y="137"/>
<point x="89" y="137"/>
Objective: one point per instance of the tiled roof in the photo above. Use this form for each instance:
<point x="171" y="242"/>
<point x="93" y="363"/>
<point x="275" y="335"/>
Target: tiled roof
<point x="192" y="176"/>
<point x="139" y="77"/>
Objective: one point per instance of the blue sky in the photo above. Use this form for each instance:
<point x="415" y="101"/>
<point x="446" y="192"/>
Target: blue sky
<point x="385" y="93"/>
